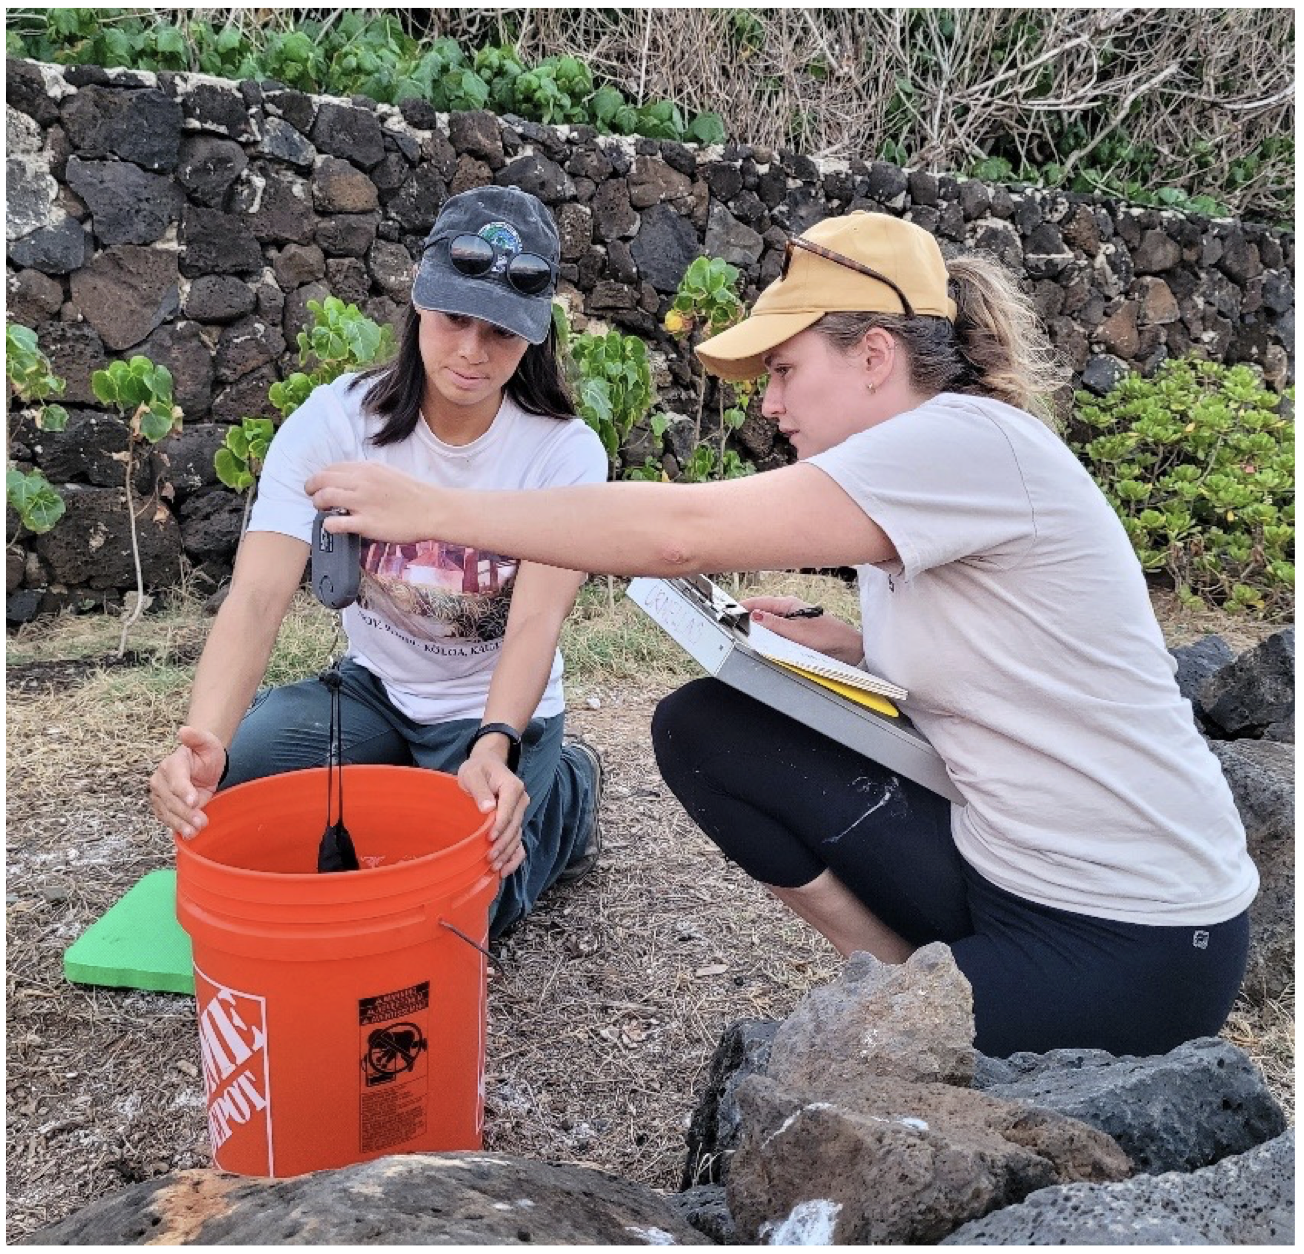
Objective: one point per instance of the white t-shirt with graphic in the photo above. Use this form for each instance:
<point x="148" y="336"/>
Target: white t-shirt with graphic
<point x="1018" y="618"/>
<point x="430" y="617"/>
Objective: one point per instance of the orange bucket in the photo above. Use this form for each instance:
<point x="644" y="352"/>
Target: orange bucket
<point x="340" y="1016"/>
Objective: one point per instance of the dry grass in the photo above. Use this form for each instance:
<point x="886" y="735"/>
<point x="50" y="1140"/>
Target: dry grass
<point x="604" y="1009"/>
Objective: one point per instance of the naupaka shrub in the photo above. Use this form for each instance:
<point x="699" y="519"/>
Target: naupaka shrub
<point x="1199" y="463"/>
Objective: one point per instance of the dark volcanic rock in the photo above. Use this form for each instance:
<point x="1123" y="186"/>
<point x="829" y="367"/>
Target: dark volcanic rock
<point x="57" y="249"/>
<point x="412" y="1199"/>
<point x="188" y="456"/>
<point x="183" y="350"/>
<point x="613" y="215"/>
<point x="208" y="167"/>
<point x="1256" y="690"/>
<point x="32" y="297"/>
<point x="1261" y="775"/>
<point x="139" y="126"/>
<point x="297" y="264"/>
<point x="75" y="353"/>
<point x="218" y="298"/>
<point x="715" y="1126"/>
<point x="353" y="134"/>
<point x="416" y="204"/>
<point x="85" y="451"/>
<point x="246" y="397"/>
<point x="217" y="243"/>
<point x="126" y="291"/>
<point x="276" y="204"/>
<point x="707" y="1209"/>
<point x="477" y="133"/>
<point x="282" y="142"/>
<point x="904" y="1168"/>
<point x="128" y="206"/>
<point x="245" y="346"/>
<point x="210" y="527"/>
<point x="210" y="107"/>
<point x="347" y="234"/>
<point x="1246" y="1200"/>
<point x="538" y="175"/>
<point x="339" y="188"/>
<point x="91" y="546"/>
<point x="1195" y="664"/>
<point x="25" y="90"/>
<point x="1180" y="1111"/>
<point x="664" y="247"/>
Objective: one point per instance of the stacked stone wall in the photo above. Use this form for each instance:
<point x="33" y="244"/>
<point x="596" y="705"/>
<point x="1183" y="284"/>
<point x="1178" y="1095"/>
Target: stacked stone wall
<point x="192" y="219"/>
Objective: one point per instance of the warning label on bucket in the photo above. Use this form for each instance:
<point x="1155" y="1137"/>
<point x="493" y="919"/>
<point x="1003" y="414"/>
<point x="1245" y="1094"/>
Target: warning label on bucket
<point x="233" y="1047"/>
<point x="395" y="1075"/>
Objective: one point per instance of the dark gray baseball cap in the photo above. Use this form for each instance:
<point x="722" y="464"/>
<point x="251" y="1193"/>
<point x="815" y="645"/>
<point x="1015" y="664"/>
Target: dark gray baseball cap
<point x="512" y="221"/>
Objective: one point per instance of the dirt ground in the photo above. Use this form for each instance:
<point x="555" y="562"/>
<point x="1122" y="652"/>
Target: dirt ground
<point x="604" y="1008"/>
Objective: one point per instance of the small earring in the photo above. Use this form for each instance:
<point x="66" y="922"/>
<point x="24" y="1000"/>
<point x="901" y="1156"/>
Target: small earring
<point x="871" y="388"/>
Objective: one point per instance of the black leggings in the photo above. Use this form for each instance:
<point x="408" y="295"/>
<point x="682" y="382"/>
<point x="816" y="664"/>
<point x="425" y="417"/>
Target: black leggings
<point x="786" y="804"/>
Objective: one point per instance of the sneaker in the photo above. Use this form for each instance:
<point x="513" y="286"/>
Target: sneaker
<point x="586" y="858"/>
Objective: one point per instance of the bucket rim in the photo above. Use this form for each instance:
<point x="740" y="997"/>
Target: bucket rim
<point x="375" y="874"/>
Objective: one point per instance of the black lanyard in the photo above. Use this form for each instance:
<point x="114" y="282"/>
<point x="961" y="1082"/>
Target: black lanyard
<point x="336" y="852"/>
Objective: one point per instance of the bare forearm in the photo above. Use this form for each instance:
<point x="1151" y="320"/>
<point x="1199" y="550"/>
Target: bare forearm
<point x="522" y="673"/>
<point x="233" y="663"/>
<point x="612" y="528"/>
<point x="792" y="517"/>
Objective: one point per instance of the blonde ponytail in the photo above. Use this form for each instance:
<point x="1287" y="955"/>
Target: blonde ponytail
<point x="1001" y="338"/>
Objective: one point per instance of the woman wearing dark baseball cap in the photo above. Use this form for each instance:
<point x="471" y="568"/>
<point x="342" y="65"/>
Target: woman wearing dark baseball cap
<point x="1093" y="884"/>
<point x="452" y="658"/>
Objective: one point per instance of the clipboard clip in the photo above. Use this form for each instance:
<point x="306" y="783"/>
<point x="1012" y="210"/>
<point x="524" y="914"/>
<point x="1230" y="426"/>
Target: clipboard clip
<point x="722" y="607"/>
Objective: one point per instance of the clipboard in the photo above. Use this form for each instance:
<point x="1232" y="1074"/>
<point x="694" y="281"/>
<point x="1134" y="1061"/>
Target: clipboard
<point x="712" y="629"/>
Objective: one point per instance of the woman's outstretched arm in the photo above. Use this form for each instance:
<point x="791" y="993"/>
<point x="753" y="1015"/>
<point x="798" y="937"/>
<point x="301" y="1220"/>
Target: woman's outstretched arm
<point x="780" y="519"/>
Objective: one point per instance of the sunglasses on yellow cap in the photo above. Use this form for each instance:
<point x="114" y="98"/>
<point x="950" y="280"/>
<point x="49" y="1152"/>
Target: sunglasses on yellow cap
<point x="838" y="259"/>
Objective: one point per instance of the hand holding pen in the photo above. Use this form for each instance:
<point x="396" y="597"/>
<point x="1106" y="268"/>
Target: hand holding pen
<point x="807" y="624"/>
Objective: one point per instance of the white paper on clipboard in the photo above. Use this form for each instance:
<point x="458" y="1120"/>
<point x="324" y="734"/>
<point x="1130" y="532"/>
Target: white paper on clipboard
<point x="780" y="649"/>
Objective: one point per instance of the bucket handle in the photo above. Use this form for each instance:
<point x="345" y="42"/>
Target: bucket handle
<point x="459" y="933"/>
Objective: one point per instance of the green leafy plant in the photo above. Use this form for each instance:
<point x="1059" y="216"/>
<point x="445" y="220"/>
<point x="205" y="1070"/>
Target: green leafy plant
<point x="500" y="67"/>
<point x="1199" y="464"/>
<point x="706" y="299"/>
<point x="706" y="462"/>
<point x="340" y="338"/>
<point x="31" y="377"/>
<point x="240" y="459"/>
<point x="243" y="451"/>
<point x="34" y="499"/>
<point x="611" y="378"/>
<point x="142" y="393"/>
<point x="32" y="381"/>
<point x="706" y="303"/>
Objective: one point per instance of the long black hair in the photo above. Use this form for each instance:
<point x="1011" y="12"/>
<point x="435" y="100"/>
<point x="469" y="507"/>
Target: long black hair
<point x="396" y="388"/>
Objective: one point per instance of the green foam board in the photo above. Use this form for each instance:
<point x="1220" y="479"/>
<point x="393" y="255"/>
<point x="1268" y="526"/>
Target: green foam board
<point x="138" y="942"/>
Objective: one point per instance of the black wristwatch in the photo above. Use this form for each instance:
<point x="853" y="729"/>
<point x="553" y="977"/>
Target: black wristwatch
<point x="503" y="729"/>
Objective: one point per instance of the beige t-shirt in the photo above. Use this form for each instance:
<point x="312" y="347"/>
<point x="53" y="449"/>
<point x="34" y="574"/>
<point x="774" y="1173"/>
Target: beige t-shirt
<point x="1019" y="620"/>
<point x="431" y="617"/>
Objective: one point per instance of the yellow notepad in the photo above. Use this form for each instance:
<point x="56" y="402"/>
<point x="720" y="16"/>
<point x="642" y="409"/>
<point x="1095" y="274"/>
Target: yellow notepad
<point x="814" y="665"/>
<point x="869" y="700"/>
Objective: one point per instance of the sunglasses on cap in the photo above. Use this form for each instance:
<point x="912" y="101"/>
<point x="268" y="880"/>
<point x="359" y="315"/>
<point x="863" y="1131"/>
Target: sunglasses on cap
<point x="474" y="256"/>
<point x="838" y="259"/>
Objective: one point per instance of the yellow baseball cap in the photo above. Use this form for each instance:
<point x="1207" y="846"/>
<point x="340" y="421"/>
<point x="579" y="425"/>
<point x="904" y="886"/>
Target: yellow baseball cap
<point x="859" y="263"/>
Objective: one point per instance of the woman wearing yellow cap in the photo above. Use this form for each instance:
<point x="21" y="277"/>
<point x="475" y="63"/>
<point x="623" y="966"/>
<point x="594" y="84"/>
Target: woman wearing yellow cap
<point x="1094" y="884"/>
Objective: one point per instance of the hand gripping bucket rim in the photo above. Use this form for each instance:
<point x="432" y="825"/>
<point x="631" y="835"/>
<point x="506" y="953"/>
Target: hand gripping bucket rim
<point x="328" y="1004"/>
